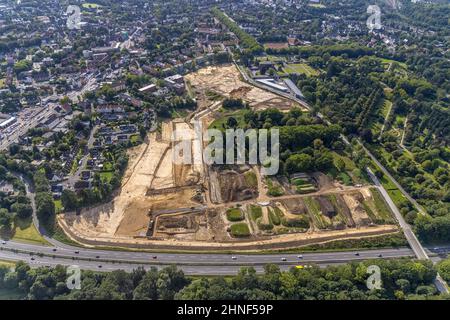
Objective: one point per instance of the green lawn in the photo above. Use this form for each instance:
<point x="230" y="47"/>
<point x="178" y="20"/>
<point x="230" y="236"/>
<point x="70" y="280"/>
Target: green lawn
<point x="226" y="114"/>
<point x="90" y="5"/>
<point x="239" y="230"/>
<point x="388" y="61"/>
<point x="255" y="212"/>
<point x="382" y="208"/>
<point x="58" y="206"/>
<point x="275" y="216"/>
<point x="317" y="5"/>
<point x="349" y="164"/>
<point x="235" y="214"/>
<point x="250" y="179"/>
<point x="25" y="231"/>
<point x="135" y="138"/>
<point x="300" y="68"/>
<point x="106" y="175"/>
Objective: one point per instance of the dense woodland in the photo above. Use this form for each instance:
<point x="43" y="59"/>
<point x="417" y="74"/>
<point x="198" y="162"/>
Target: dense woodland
<point x="401" y="279"/>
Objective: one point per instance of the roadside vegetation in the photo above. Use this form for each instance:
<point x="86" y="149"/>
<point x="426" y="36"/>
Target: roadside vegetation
<point x="402" y="279"/>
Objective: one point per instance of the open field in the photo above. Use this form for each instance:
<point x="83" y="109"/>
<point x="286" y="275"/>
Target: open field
<point x="300" y="68"/>
<point x="25" y="231"/>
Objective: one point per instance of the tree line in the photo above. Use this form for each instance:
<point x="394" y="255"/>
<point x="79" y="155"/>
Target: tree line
<point x="400" y="279"/>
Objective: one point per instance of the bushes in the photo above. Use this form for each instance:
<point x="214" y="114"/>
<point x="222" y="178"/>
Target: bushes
<point x="265" y="227"/>
<point x="240" y="230"/>
<point x="274" y="190"/>
<point x="256" y="212"/>
<point x="300" y="222"/>
<point x="235" y="214"/>
<point x="275" y="216"/>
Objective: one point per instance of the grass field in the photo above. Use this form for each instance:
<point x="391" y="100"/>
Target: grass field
<point x="317" y="5"/>
<point x="106" y="175"/>
<point x="222" y="120"/>
<point x="300" y="68"/>
<point x="235" y="214"/>
<point x="250" y="179"/>
<point x="255" y="212"/>
<point x="239" y="230"/>
<point x="25" y="231"/>
<point x="383" y="210"/>
<point x="90" y="5"/>
<point x="275" y="216"/>
<point x="58" y="206"/>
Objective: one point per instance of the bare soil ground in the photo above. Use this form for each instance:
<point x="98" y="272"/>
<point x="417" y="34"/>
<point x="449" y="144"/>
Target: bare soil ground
<point x="225" y="80"/>
<point x="154" y="183"/>
<point x="234" y="187"/>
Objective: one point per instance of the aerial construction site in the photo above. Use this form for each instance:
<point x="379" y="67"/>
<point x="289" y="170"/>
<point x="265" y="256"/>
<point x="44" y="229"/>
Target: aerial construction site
<point x="164" y="203"/>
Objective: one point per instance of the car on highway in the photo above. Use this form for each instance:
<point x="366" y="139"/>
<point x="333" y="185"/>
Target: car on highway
<point x="3" y="242"/>
<point x="283" y="259"/>
<point x="380" y="256"/>
<point x="100" y="266"/>
<point x="233" y="258"/>
<point x="77" y="252"/>
<point x="300" y="256"/>
<point x="155" y="257"/>
<point x="357" y="254"/>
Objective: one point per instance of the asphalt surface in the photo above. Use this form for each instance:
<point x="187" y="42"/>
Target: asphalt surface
<point x="191" y="263"/>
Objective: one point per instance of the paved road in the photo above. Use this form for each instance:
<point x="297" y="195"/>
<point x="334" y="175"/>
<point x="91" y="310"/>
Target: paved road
<point x="419" y="251"/>
<point x="192" y="263"/>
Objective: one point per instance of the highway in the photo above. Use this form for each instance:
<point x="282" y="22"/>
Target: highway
<point x="191" y="263"/>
